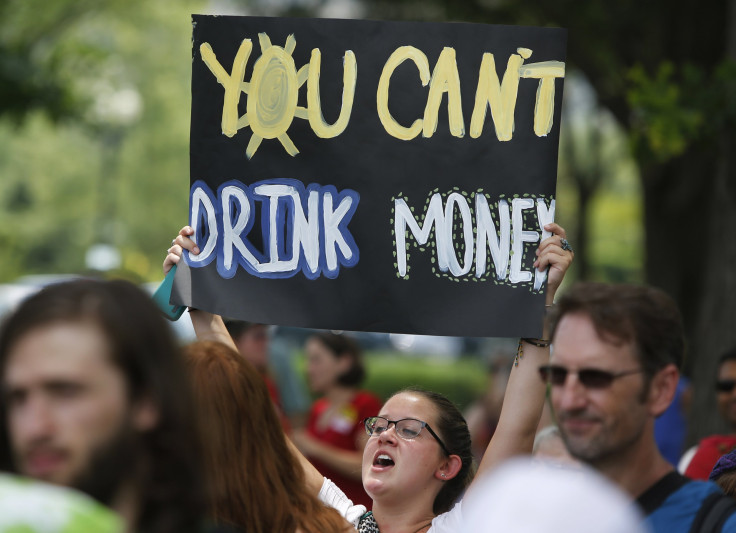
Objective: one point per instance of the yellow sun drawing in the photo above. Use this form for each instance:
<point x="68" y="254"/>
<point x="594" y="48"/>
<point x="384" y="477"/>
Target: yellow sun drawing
<point x="273" y="92"/>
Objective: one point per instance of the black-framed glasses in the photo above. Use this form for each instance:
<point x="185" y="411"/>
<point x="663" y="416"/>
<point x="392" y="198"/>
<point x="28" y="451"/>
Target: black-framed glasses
<point x="591" y="378"/>
<point x="725" y="385"/>
<point x="406" y="428"/>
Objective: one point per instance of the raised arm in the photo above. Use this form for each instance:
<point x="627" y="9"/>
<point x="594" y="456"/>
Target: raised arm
<point x="525" y="392"/>
<point x="347" y="462"/>
<point x="209" y="326"/>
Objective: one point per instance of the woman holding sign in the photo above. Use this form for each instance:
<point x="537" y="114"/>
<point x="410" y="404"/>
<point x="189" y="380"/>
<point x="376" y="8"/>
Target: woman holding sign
<point x="417" y="461"/>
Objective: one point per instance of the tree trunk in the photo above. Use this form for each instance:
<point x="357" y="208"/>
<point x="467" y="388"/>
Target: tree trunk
<point x="715" y="329"/>
<point x="716" y="326"/>
<point x="676" y="196"/>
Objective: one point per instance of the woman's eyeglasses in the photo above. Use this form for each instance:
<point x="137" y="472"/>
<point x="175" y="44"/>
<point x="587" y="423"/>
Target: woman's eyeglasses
<point x="406" y="428"/>
<point x="591" y="378"/>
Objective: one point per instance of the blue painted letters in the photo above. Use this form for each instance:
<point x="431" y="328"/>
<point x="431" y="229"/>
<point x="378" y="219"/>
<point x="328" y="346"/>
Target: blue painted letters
<point x="303" y="228"/>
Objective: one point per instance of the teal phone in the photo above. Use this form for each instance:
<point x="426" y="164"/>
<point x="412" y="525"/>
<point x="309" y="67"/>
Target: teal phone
<point x="163" y="295"/>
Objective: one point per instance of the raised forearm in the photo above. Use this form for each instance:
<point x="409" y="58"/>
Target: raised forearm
<point x="347" y="462"/>
<point x="210" y="327"/>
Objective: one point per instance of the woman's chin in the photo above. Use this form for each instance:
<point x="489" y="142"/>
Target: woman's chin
<point x="373" y="487"/>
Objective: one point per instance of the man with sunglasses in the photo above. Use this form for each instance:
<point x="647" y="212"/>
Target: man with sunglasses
<point x="613" y="370"/>
<point x="700" y="460"/>
<point x="726" y="388"/>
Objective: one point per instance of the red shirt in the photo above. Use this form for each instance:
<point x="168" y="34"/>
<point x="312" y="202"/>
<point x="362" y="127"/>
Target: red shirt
<point x="342" y="430"/>
<point x="709" y="451"/>
<point x="273" y="392"/>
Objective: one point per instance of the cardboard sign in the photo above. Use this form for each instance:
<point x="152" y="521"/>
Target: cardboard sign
<point x="372" y="176"/>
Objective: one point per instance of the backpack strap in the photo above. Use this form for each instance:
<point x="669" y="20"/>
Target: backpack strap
<point x="714" y="512"/>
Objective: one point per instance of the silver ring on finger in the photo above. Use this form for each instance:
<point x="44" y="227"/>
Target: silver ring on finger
<point x="566" y="245"/>
<point x="173" y="242"/>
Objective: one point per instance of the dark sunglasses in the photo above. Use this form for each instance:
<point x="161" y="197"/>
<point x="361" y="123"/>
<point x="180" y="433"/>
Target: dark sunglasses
<point x="591" y="378"/>
<point x="725" y="385"/>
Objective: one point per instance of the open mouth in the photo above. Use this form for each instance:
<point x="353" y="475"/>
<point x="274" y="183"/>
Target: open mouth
<point x="383" y="460"/>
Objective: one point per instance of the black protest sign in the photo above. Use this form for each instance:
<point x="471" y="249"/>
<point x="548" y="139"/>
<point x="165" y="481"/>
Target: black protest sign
<point x="377" y="176"/>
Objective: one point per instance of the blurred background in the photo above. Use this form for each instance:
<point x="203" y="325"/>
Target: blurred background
<point x="94" y="128"/>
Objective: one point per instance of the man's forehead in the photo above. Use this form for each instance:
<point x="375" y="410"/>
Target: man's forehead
<point x="256" y="330"/>
<point x="63" y="350"/>
<point x="727" y="368"/>
<point x="577" y="340"/>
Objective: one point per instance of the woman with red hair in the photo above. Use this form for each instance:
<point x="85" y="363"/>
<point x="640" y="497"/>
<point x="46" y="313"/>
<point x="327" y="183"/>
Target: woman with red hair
<point x="254" y="480"/>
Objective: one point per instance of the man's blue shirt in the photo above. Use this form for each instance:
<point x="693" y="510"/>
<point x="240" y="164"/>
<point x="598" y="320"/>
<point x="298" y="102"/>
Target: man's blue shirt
<point x="678" y="510"/>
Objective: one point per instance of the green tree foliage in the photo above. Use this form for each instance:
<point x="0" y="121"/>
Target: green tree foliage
<point x="94" y="148"/>
<point x="31" y="74"/>
<point x="676" y="107"/>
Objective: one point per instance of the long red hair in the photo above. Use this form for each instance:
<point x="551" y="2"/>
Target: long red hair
<point x="254" y="481"/>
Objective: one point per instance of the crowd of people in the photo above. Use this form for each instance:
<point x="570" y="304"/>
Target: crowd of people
<point x="145" y="435"/>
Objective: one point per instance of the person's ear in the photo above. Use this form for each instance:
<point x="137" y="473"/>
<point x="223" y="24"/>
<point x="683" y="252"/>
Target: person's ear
<point x="662" y="389"/>
<point x="449" y="468"/>
<point x="145" y="414"/>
